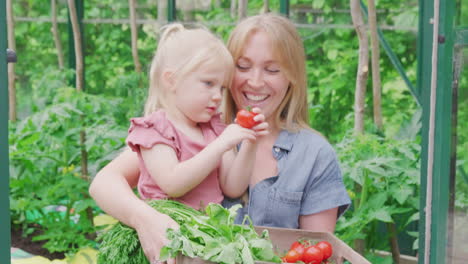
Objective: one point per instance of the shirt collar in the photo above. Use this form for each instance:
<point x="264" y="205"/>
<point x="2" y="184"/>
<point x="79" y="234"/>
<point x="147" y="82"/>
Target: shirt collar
<point x="285" y="140"/>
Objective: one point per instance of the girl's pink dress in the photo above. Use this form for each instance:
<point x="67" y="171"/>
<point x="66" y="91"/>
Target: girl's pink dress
<point x="157" y="129"/>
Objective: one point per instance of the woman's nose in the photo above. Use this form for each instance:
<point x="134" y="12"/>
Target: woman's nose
<point x="256" y="79"/>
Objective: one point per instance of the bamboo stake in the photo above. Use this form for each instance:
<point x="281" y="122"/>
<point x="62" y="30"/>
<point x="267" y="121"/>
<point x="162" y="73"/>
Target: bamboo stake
<point x="361" y="80"/>
<point x="363" y="68"/>
<point x="242" y="11"/>
<point x="376" y="83"/>
<point x="55" y="33"/>
<point x="134" y="32"/>
<point x="266" y="7"/>
<point x="233" y="8"/>
<point x="77" y="41"/>
<point x="11" y="66"/>
<point x="162" y="14"/>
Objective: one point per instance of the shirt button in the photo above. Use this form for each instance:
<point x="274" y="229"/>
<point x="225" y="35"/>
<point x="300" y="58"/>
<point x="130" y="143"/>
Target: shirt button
<point x="276" y="149"/>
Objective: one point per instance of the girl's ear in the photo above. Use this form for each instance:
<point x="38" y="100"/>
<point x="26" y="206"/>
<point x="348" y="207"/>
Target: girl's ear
<point x="168" y="80"/>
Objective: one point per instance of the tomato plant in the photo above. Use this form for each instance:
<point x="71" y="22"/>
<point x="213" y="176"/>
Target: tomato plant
<point x="245" y="118"/>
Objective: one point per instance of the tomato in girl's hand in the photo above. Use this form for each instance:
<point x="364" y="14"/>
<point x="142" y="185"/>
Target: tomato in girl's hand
<point x="292" y="256"/>
<point x="326" y="249"/>
<point x="245" y="118"/>
<point x="312" y="255"/>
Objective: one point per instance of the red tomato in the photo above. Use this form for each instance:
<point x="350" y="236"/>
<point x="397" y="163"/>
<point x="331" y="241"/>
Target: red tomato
<point x="292" y="256"/>
<point x="298" y="246"/>
<point x="326" y="249"/>
<point x="312" y="255"/>
<point x="245" y="118"/>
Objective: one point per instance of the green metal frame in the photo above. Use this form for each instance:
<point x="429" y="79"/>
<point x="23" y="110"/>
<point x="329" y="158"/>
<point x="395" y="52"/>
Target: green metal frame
<point x="171" y="10"/>
<point x="284" y="7"/>
<point x="443" y="124"/>
<point x="5" y="239"/>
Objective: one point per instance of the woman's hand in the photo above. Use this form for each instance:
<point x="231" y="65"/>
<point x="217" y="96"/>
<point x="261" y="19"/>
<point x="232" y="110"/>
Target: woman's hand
<point x="151" y="228"/>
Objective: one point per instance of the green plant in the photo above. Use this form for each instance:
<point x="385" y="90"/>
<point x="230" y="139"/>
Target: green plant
<point x="388" y="172"/>
<point x="46" y="167"/>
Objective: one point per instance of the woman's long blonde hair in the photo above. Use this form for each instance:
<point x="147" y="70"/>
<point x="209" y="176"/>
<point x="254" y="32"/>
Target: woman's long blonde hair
<point x="292" y="113"/>
<point x="181" y="51"/>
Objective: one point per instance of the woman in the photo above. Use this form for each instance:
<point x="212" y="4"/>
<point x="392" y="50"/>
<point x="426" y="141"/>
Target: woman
<point x="296" y="182"/>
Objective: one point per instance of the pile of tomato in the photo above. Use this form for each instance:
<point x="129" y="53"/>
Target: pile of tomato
<point x="304" y="251"/>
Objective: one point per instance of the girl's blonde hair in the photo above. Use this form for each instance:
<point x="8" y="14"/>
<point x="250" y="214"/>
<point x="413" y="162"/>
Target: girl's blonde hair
<point x="288" y="49"/>
<point x="181" y="51"/>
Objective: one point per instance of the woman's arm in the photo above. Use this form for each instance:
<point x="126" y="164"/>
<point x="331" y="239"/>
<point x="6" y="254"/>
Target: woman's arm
<point x="324" y="221"/>
<point x="112" y="191"/>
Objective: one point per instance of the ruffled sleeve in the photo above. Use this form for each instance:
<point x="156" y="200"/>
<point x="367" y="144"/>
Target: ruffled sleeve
<point x="151" y="130"/>
<point x="217" y="124"/>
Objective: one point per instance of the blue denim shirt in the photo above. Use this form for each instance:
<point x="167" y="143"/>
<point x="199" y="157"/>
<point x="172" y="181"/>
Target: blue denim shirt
<point x="309" y="181"/>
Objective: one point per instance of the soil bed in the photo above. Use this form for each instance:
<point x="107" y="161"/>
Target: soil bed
<point x="32" y="247"/>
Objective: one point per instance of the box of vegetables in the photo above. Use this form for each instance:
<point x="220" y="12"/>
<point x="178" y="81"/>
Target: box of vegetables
<point x="210" y="236"/>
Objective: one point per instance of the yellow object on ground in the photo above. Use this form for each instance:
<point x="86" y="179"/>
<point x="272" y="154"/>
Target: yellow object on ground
<point x="84" y="256"/>
<point x="37" y="260"/>
<point x="104" y="219"/>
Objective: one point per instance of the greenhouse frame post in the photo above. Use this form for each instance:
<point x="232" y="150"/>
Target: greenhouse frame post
<point x="442" y="128"/>
<point x="171" y="10"/>
<point x="284" y="7"/>
<point x="5" y="232"/>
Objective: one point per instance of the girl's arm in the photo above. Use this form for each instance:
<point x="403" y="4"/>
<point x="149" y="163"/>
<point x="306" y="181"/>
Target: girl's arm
<point x="112" y="191"/>
<point x="177" y="178"/>
<point x="236" y="168"/>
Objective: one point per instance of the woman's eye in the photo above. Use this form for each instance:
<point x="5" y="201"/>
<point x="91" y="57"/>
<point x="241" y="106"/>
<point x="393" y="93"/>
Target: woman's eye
<point x="242" y="67"/>
<point x="272" y="70"/>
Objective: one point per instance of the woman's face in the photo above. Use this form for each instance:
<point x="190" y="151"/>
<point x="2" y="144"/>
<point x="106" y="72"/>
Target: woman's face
<point x="259" y="80"/>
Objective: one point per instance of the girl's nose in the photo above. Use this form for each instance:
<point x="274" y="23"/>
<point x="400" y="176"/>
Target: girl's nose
<point x="217" y="95"/>
<point x="256" y="80"/>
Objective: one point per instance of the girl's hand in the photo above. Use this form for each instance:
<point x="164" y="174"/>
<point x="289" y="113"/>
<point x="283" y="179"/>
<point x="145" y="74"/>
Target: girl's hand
<point x="233" y="135"/>
<point x="151" y="229"/>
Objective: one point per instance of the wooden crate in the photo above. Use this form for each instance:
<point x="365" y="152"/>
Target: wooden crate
<point x="282" y="239"/>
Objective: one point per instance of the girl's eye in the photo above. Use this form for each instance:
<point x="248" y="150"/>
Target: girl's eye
<point x="208" y="83"/>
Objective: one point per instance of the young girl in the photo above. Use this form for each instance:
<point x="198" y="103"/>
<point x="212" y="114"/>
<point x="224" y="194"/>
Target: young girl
<point x="185" y="151"/>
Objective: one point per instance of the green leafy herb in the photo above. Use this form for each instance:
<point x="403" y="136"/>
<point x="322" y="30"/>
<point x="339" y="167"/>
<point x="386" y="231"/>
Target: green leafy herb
<point x="210" y="235"/>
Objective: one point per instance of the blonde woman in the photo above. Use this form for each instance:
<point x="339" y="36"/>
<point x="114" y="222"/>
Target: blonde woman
<point x="296" y="180"/>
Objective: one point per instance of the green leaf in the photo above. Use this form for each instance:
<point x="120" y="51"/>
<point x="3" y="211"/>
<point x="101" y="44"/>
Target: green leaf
<point x="318" y="4"/>
<point x="382" y="215"/>
<point x="332" y="54"/>
<point x="402" y="193"/>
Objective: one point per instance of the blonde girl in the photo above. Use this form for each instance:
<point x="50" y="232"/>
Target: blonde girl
<point x="185" y="151"/>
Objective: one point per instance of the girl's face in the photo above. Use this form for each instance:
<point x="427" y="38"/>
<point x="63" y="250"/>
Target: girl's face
<point x="258" y="79"/>
<point x="198" y="94"/>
